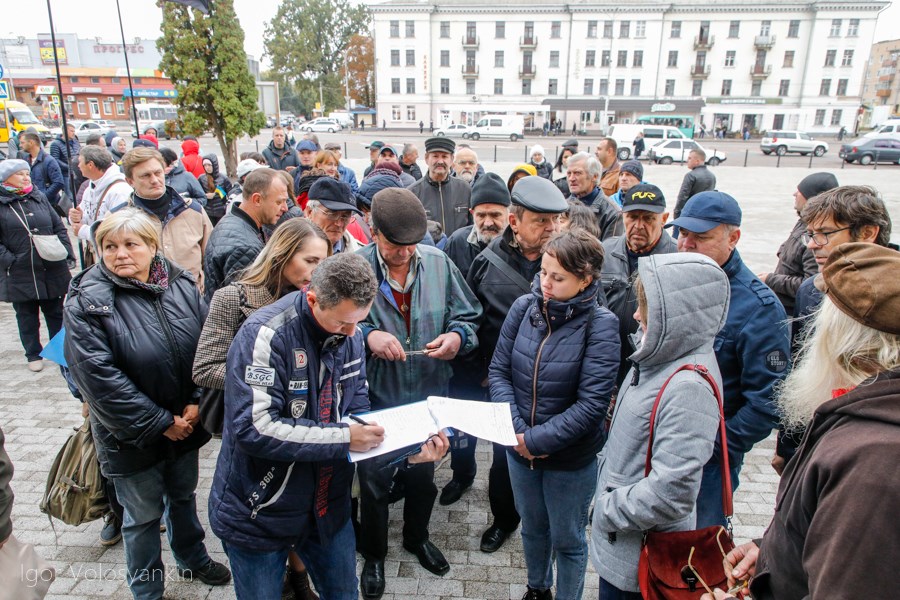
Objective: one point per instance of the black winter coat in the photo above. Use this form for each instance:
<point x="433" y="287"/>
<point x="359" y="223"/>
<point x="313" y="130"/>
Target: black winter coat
<point x="24" y="275"/>
<point x="131" y="353"/>
<point x="235" y="242"/>
<point x="215" y="206"/>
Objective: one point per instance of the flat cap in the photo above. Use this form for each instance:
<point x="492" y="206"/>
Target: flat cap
<point x="539" y="195"/>
<point x="399" y="216"/>
<point x="440" y="144"/>
<point x="333" y="194"/>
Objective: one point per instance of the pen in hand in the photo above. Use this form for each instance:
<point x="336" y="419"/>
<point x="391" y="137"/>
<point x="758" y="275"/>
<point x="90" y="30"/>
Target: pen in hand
<point x="353" y="417"/>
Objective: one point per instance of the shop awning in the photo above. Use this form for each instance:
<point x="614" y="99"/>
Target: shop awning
<point x="687" y="106"/>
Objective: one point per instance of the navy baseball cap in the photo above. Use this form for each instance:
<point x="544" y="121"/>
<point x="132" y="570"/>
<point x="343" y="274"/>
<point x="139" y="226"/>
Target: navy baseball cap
<point x="707" y="210"/>
<point x="308" y="145"/>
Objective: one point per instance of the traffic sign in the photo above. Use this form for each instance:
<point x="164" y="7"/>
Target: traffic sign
<point x="4" y="91"/>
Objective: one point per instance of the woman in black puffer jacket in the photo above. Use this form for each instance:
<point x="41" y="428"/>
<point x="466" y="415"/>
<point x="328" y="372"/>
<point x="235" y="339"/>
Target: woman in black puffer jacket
<point x="555" y="364"/>
<point x="32" y="284"/>
<point x="132" y="325"/>
<point x="216" y="186"/>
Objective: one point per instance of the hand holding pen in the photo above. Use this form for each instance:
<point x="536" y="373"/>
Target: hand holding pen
<point x="364" y="436"/>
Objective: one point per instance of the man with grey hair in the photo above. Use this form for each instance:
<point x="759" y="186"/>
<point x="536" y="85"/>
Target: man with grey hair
<point x="106" y="191"/>
<point x="408" y="158"/>
<point x="583" y="175"/>
<point x="466" y="165"/>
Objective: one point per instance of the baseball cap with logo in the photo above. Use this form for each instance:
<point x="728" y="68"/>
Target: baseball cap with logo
<point x="707" y="210"/>
<point x="644" y="196"/>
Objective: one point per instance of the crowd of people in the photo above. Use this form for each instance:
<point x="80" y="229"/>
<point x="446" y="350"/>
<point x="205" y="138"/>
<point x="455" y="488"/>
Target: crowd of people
<point x="276" y="310"/>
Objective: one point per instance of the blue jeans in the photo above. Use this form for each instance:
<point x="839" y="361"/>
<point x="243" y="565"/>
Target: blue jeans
<point x="167" y="486"/>
<point x="554" y="509"/>
<point x="332" y="568"/>
<point x="610" y="592"/>
<point x="709" y="500"/>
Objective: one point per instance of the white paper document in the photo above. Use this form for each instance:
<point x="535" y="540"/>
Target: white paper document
<point x="411" y="424"/>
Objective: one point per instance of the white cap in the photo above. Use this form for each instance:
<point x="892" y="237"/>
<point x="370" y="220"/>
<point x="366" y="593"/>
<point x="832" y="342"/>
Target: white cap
<point x="246" y="166"/>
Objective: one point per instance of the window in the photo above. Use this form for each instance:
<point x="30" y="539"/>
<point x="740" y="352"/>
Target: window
<point x="765" y="28"/>
<point x="592" y="29"/>
<point x="607" y="30"/>
<point x="825" y="88"/>
<point x="500" y="30"/>
<point x="410" y="58"/>
<point x="395" y="112"/>
<point x="410" y="113"/>
<point x="73" y="79"/>
<point x="836" y="115"/>
<point x="635" y="87"/>
<point x="842" y="87"/>
<point x="395" y="58"/>
<point x="138" y="80"/>
<point x="734" y="29"/>
<point x="498" y="87"/>
<point x="604" y="87"/>
<point x="638" y="59"/>
<point x="847" y="61"/>
<point x="395" y="85"/>
<point x="640" y="29"/>
<point x="673" y="58"/>
<point x="788" y="59"/>
<point x="588" y="87"/>
<point x="784" y="87"/>
<point x="554" y="58"/>
<point x="670" y="87"/>
<point x="116" y="80"/>
<point x="726" y="87"/>
<point x="590" y="58"/>
<point x="620" y="87"/>
<point x="729" y="58"/>
<point x="81" y="109"/>
<point x="120" y="108"/>
<point x="410" y="85"/>
<point x="853" y="28"/>
<point x="445" y="58"/>
<point x="529" y="32"/>
<point x="556" y="29"/>
<point x="697" y="87"/>
<point x="605" y="58"/>
<point x="756" y="88"/>
<point x="395" y="32"/>
<point x="445" y="29"/>
<point x="676" y="29"/>
<point x="820" y="117"/>
<point x="498" y="58"/>
<point x="445" y="86"/>
<point x="470" y="86"/>
<point x="622" y="60"/>
<point x="551" y="87"/>
<point x="107" y="107"/>
<point x="835" y="30"/>
<point x="830" y="55"/>
<point x="526" y="87"/>
<point x="410" y="29"/>
<point x="794" y="29"/>
<point x="471" y="32"/>
<point x="95" y="80"/>
<point x="625" y="29"/>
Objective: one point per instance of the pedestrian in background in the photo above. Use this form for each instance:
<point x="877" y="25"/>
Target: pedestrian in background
<point x="638" y="145"/>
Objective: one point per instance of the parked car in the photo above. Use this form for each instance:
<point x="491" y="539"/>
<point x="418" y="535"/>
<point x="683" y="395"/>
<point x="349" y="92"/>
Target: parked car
<point x="455" y="130"/>
<point x="625" y="133"/>
<point x="511" y="127"/>
<point x="781" y="142"/>
<point x="321" y="124"/>
<point x="668" y="151"/>
<point x="890" y="128"/>
<point x="164" y="129"/>
<point x="869" y="150"/>
<point x="85" y="129"/>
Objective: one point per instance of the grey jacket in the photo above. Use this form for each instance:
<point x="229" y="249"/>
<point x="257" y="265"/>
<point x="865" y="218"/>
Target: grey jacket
<point x="795" y="264"/>
<point x="687" y="296"/>
<point x="699" y="179"/>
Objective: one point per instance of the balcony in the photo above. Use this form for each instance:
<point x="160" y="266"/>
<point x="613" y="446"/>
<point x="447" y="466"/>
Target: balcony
<point x="760" y="71"/>
<point x="883" y="94"/>
<point x="528" y="42"/>
<point x="470" y="70"/>
<point x="764" y="42"/>
<point x="470" y="42"/>
<point x="526" y="71"/>
<point x="700" y="71"/>
<point x="704" y="42"/>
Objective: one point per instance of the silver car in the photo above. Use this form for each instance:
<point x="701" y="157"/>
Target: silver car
<point x="781" y="142"/>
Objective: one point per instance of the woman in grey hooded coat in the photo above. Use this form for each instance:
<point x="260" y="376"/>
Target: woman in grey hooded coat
<point x="682" y="304"/>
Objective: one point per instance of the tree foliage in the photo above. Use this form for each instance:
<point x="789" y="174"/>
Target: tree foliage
<point x="306" y="41"/>
<point x="360" y="67"/>
<point x="204" y="57"/>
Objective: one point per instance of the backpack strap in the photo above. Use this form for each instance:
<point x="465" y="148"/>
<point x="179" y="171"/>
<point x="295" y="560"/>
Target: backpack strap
<point x="727" y="500"/>
<point x="103" y="196"/>
<point x="494" y="258"/>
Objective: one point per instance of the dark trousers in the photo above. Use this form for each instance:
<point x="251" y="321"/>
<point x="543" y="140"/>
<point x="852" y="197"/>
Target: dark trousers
<point x="462" y="457"/>
<point x="114" y="506"/>
<point x="500" y="492"/>
<point x="28" y="319"/>
<point x="375" y="483"/>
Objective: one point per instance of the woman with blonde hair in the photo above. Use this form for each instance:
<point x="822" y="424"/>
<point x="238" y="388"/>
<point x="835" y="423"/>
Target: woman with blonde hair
<point x="285" y="264"/>
<point x="328" y="162"/>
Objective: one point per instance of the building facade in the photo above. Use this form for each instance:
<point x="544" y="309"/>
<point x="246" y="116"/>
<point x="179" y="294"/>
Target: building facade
<point x="729" y="64"/>
<point x="881" y="90"/>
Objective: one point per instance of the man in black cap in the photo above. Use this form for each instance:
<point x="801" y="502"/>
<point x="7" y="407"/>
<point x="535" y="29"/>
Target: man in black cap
<point x="796" y="261"/>
<point x="374" y="148"/>
<point x="643" y="214"/>
<point x="502" y="272"/>
<point x="445" y="198"/>
<point x="583" y="175"/>
<point x="422" y="317"/>
<point x="331" y="206"/>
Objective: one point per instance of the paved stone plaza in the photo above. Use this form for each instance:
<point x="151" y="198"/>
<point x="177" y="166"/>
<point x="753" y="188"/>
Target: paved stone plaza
<point x="37" y="414"/>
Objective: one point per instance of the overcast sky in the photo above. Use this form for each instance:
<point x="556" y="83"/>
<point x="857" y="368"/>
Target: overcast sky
<point x="141" y="18"/>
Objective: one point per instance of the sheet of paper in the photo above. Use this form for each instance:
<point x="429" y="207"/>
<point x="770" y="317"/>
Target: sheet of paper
<point x="491" y="421"/>
<point x="403" y="426"/>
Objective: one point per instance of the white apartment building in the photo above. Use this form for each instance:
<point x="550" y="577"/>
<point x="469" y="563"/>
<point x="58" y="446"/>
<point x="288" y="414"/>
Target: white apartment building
<point x="794" y="64"/>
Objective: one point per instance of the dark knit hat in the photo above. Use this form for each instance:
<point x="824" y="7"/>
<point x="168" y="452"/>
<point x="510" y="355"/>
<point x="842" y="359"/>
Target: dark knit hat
<point x="633" y="167"/>
<point x="815" y="184"/>
<point x="489" y="189"/>
<point x="399" y="216"/>
<point x="440" y="144"/>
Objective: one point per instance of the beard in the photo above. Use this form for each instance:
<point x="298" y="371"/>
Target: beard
<point x="466" y="176"/>
<point x="486" y="235"/>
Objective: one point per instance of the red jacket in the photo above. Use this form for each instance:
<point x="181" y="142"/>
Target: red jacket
<point x="192" y="161"/>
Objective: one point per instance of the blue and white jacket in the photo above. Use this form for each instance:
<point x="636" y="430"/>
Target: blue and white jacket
<point x="280" y="452"/>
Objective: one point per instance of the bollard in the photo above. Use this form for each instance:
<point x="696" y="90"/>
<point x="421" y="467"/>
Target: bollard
<point x="778" y="162"/>
<point x="811" y="155"/>
<point x="526" y="153"/>
<point x="843" y="162"/>
<point x="746" y="156"/>
<point x="257" y="145"/>
<point x="345" y="150"/>
<point x="495" y="152"/>
<point x="875" y="163"/>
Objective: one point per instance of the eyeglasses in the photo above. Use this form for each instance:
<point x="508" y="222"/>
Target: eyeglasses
<point x="820" y="238"/>
<point x="466" y="162"/>
<point x="343" y="216"/>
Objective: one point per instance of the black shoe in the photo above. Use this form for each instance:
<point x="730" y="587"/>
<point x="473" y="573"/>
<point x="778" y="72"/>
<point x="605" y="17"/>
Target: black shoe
<point x="493" y="539"/>
<point x="371" y="580"/>
<point x="299" y="581"/>
<point x="111" y="533"/>
<point x="214" y="573"/>
<point x="453" y="491"/>
<point x="533" y="594"/>
<point x="429" y="557"/>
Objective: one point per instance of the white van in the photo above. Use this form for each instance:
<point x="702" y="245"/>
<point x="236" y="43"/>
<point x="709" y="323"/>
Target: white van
<point x="624" y="135"/>
<point x="889" y="129"/>
<point x="511" y="127"/>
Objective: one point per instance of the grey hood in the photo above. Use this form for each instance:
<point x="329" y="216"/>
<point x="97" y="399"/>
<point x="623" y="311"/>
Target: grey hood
<point x="687" y="305"/>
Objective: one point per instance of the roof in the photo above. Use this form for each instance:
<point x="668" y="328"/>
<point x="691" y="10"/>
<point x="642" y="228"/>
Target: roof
<point x="610" y="7"/>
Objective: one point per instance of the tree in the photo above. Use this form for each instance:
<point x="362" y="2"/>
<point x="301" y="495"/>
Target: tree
<point x="204" y="57"/>
<point x="360" y="65"/>
<point x="306" y="41"/>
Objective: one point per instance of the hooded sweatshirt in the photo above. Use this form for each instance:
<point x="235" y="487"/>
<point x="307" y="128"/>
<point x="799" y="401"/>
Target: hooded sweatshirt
<point x="191" y="158"/>
<point x="687" y="297"/>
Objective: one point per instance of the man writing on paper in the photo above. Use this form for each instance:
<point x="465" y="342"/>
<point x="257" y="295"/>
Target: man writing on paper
<point x="283" y="479"/>
<point x="422" y="317"/>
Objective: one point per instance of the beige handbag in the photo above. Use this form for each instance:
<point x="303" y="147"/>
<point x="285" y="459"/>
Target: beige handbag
<point x="48" y="246"/>
<point x="24" y="574"/>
